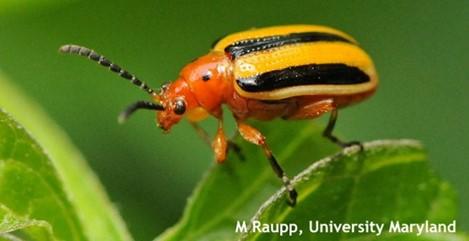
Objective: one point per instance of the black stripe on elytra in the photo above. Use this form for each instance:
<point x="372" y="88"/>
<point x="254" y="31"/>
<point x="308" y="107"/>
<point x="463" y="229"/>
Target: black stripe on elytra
<point x="311" y="74"/>
<point x="247" y="46"/>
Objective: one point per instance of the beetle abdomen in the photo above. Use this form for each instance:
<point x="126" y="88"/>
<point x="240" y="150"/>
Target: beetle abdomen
<point x="296" y="60"/>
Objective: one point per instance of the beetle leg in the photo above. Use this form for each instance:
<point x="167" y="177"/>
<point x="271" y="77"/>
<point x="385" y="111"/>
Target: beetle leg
<point x="254" y="136"/>
<point x="206" y="138"/>
<point x="201" y="133"/>
<point x="236" y="148"/>
<point x="313" y="110"/>
<point x="220" y="144"/>
<point x="330" y="127"/>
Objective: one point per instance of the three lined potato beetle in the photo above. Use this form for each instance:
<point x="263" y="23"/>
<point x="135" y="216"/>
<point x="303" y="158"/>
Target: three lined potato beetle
<point x="291" y="72"/>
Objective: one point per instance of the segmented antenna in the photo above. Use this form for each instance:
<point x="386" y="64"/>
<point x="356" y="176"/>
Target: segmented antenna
<point x="124" y="115"/>
<point x="91" y="54"/>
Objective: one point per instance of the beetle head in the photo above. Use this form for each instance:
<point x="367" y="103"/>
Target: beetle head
<point x="177" y="101"/>
<point x="198" y="92"/>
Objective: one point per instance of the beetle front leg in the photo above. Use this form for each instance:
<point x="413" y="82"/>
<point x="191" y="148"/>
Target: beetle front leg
<point x="231" y="145"/>
<point x="201" y="133"/>
<point x="254" y="136"/>
<point x="220" y="143"/>
<point x="330" y="127"/>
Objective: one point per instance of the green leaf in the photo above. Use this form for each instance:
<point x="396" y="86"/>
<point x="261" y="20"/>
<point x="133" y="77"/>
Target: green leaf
<point x="32" y="200"/>
<point x="390" y="180"/>
<point x="97" y="217"/>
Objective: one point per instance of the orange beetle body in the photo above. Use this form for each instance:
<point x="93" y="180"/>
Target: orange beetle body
<point x="204" y="98"/>
<point x="291" y="72"/>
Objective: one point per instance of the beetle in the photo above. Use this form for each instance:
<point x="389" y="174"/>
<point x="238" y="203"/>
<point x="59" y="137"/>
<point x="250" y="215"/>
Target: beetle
<point x="290" y="72"/>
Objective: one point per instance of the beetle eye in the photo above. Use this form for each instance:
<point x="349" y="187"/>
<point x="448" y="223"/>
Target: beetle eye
<point x="207" y="76"/>
<point x="179" y="107"/>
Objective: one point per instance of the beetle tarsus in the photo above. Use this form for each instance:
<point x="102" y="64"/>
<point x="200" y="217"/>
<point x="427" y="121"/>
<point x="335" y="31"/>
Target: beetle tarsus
<point x="291" y="199"/>
<point x="292" y="194"/>
<point x="353" y="143"/>
<point x="330" y="127"/>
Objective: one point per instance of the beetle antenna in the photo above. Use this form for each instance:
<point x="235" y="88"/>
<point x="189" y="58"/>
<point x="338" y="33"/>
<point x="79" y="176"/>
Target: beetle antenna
<point x="92" y="55"/>
<point x="125" y="114"/>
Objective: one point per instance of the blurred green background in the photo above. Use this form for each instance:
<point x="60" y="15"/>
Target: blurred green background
<point x="419" y="47"/>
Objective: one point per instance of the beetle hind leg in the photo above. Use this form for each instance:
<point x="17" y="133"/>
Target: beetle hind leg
<point x="254" y="136"/>
<point x="330" y="127"/>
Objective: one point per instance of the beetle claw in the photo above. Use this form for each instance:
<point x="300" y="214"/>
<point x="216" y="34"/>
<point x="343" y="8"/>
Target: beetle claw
<point x="291" y="198"/>
<point x="353" y="143"/>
